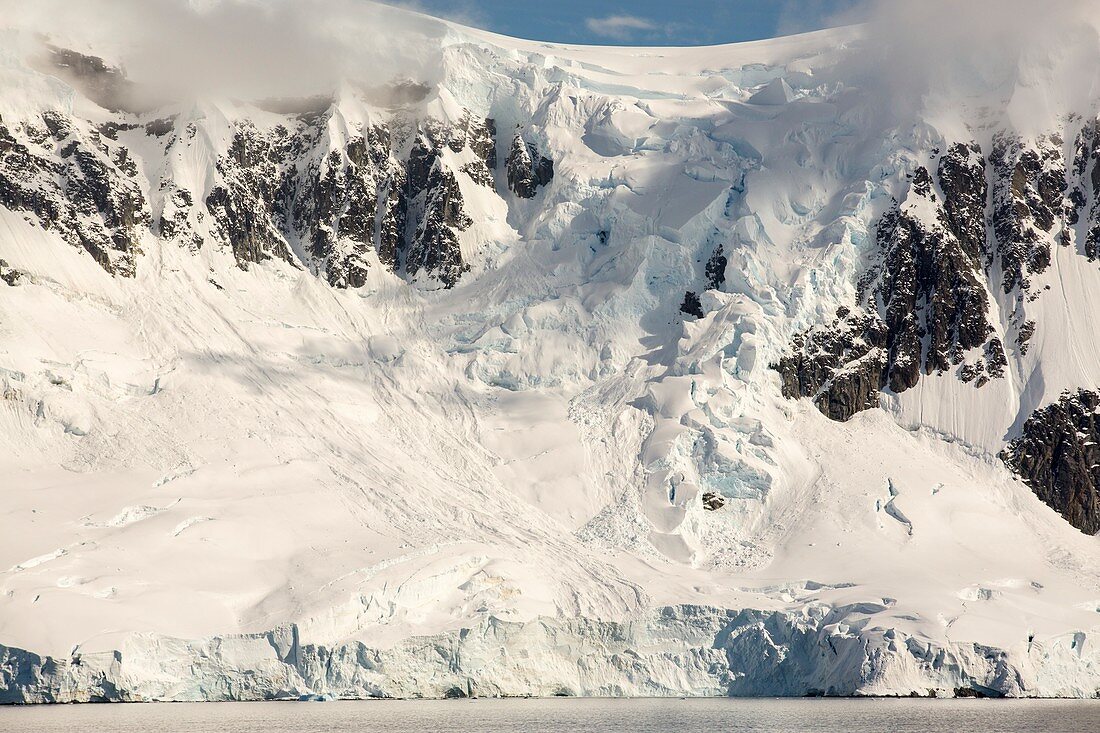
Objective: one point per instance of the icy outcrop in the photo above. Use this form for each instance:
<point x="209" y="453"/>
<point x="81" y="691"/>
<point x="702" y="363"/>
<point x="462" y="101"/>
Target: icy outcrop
<point x="777" y="91"/>
<point x="676" y="650"/>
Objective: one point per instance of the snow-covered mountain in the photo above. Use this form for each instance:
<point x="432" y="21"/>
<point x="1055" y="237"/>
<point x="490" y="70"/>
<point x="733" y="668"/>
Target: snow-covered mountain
<point x="550" y="370"/>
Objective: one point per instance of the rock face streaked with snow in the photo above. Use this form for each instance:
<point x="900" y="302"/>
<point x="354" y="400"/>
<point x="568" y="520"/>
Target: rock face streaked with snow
<point x="566" y="371"/>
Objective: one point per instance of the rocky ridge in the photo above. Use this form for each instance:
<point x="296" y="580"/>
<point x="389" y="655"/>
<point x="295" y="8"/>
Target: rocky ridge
<point x="923" y="304"/>
<point x="942" y="250"/>
<point x="1058" y="456"/>
<point x="927" y="304"/>
<point x="527" y="168"/>
<point x="75" y="179"/>
<point x="311" y="188"/>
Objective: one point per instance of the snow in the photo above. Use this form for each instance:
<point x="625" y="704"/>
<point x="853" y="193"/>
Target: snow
<point x="523" y="455"/>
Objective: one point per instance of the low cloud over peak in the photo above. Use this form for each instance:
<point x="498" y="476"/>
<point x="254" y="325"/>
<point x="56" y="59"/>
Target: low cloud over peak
<point x="619" y="27"/>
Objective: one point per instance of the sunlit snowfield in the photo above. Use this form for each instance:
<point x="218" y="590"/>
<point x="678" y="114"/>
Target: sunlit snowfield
<point x="603" y="715"/>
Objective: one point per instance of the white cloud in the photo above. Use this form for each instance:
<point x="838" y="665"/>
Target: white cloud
<point x="619" y="27"/>
<point x="933" y="55"/>
<point x="249" y="48"/>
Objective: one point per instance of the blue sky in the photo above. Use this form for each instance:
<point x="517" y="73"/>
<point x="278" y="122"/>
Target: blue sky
<point x="647" y="22"/>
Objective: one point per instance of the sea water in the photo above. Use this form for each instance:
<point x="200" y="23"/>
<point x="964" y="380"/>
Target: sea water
<point x="568" y="715"/>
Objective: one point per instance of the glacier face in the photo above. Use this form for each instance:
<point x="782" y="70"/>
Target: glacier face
<point x="487" y="382"/>
<point x="671" y="651"/>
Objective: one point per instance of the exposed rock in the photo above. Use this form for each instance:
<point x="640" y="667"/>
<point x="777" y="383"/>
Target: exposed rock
<point x="105" y="85"/>
<point x="343" y="202"/>
<point x="9" y="275"/>
<point x="291" y="191"/>
<point x="434" y="202"/>
<point x="249" y="207"/>
<point x="937" y="259"/>
<point x="1058" y="456"/>
<point x="691" y="305"/>
<point x="970" y="692"/>
<point x="480" y="136"/>
<point x="160" y="127"/>
<point x="173" y="223"/>
<point x="1023" y="338"/>
<point x="716" y="268"/>
<point x="962" y="179"/>
<point x="111" y="129"/>
<point x="527" y="169"/>
<point x="930" y="281"/>
<point x="76" y="183"/>
<point x="841" y="366"/>
<point x="712" y="502"/>
<point x="1028" y="190"/>
<point x="1086" y="188"/>
<point x="923" y="305"/>
<point x="336" y="205"/>
<point x="939" y="256"/>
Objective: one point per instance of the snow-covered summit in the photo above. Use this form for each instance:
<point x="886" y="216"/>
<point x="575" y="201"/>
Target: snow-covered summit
<point x="531" y="368"/>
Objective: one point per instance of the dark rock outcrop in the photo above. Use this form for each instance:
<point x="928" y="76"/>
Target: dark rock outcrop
<point x="712" y="502"/>
<point x="435" y="213"/>
<point x="312" y="190"/>
<point x="1085" y="173"/>
<point x="1058" y="456"/>
<point x="250" y="205"/>
<point x="939" y="254"/>
<point x="337" y="205"/>
<point x="1028" y="203"/>
<point x="716" y="268"/>
<point x="174" y="220"/>
<point x="527" y="169"/>
<point x="841" y="367"/>
<point x="9" y="275"/>
<point x="930" y="280"/>
<point x="481" y="137"/>
<point x="78" y="183"/>
<point x="691" y="305"/>
<point x="340" y="203"/>
<point x="922" y="305"/>
<point x="105" y="85"/>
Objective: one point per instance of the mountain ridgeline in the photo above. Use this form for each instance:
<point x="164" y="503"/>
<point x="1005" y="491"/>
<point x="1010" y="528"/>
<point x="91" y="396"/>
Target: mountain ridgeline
<point x="312" y="189"/>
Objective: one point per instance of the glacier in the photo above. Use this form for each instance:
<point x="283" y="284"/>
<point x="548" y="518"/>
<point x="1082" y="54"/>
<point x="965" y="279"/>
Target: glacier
<point x="477" y="379"/>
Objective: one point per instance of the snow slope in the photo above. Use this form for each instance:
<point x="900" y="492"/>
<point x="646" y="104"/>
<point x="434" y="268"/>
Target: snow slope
<point x="234" y="483"/>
